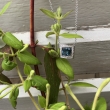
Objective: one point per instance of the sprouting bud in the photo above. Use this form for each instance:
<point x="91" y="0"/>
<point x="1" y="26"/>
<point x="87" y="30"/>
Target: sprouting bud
<point x="56" y="27"/>
<point x="32" y="72"/>
<point x="53" y="53"/>
<point x="59" y="12"/>
<point x="8" y="65"/>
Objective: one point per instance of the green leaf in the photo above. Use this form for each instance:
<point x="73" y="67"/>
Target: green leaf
<point x="27" y="85"/>
<point x="67" y="35"/>
<point x="8" y="65"/>
<point x="66" y="14"/>
<point x="13" y="103"/>
<point x="42" y="101"/>
<point x="101" y="104"/>
<point x="27" y="69"/>
<point x="28" y="58"/>
<point x="82" y="84"/>
<point x="48" y="13"/>
<point x="5" y="8"/>
<point x="13" y="96"/>
<point x="5" y="49"/>
<point x="16" y="93"/>
<point x="39" y="82"/>
<point x="56" y="106"/>
<point x="65" y="67"/>
<point x="48" y="46"/>
<point x="12" y="41"/>
<point x="49" y="33"/>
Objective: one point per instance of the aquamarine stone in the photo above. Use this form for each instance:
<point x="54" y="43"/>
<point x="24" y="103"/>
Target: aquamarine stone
<point x="66" y="51"/>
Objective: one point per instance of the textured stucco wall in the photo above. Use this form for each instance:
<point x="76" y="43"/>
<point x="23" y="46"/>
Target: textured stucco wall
<point x="16" y="19"/>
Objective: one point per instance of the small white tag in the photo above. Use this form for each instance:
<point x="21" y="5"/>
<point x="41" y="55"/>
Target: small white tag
<point x="66" y="51"/>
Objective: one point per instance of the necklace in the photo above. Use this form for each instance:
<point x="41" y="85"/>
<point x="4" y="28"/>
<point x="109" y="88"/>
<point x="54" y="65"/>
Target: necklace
<point x="68" y="50"/>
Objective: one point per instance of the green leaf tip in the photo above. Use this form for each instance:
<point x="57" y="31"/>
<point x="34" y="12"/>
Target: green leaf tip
<point x="82" y="84"/>
<point x="48" y="13"/>
<point x="3" y="10"/>
<point x="42" y="101"/>
<point x="64" y="66"/>
<point x="49" y="33"/>
<point x="68" y="35"/>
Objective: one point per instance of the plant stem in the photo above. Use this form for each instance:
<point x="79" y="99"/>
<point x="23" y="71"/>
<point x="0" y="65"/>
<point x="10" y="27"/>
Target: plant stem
<point x="33" y="100"/>
<point x="58" y="21"/>
<point x="67" y="100"/>
<point x="47" y="94"/>
<point x="32" y="42"/>
<point x="73" y="96"/>
<point x="56" y="43"/>
<point x="19" y="73"/>
<point x="25" y="47"/>
<point x="104" y="83"/>
<point x="2" y="96"/>
<point x="4" y="88"/>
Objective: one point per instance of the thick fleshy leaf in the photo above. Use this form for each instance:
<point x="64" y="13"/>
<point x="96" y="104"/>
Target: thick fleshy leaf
<point x="56" y="106"/>
<point x="13" y="97"/>
<point x="66" y="14"/>
<point x="39" y="82"/>
<point x="12" y="41"/>
<point x="42" y="101"/>
<point x="27" y="85"/>
<point x="82" y="84"/>
<point x="16" y="93"/>
<point x="59" y="12"/>
<point x="27" y="69"/>
<point x="49" y="33"/>
<point x="101" y="104"/>
<point x="4" y="78"/>
<point x="13" y="103"/>
<point x="28" y="58"/>
<point x="87" y="107"/>
<point x="52" y="75"/>
<point x="67" y="35"/>
<point x="8" y="65"/>
<point x="3" y="10"/>
<point x="72" y="109"/>
<point x="48" y="13"/>
<point x="65" y="67"/>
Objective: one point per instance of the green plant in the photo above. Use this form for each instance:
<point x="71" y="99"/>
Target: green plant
<point x="53" y="65"/>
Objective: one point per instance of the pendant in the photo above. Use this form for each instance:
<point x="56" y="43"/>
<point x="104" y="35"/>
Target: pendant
<point x="66" y="51"/>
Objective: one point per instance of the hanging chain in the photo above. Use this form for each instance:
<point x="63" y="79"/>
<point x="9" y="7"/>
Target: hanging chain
<point x="76" y="17"/>
<point x="51" y="7"/>
<point x="76" y="21"/>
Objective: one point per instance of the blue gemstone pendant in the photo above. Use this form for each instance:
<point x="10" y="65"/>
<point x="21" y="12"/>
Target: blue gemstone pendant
<point x="66" y="51"/>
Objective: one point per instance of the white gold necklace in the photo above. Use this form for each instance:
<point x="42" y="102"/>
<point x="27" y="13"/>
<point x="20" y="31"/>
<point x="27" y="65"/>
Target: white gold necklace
<point x="68" y="50"/>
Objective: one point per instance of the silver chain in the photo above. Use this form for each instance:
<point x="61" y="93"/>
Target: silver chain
<point x="76" y="16"/>
<point x="51" y="6"/>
